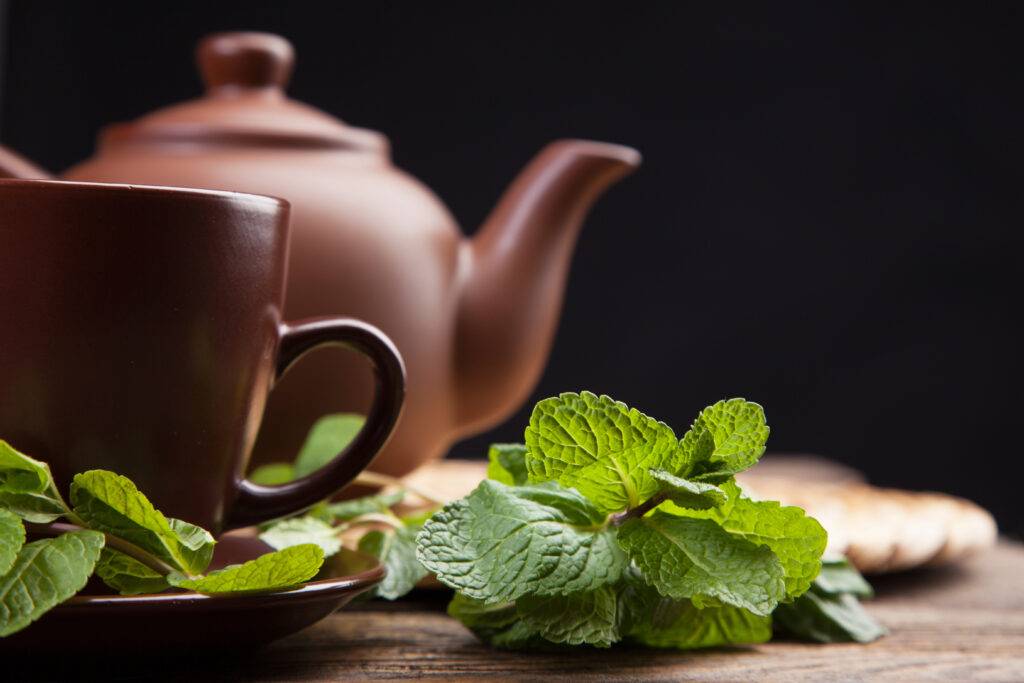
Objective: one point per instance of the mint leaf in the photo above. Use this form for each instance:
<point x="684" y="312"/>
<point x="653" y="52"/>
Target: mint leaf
<point x="577" y="509"/>
<point x="500" y="543"/>
<point x="112" y="504"/>
<point x="650" y="618"/>
<point x="27" y="488"/>
<point x="127" y="575"/>
<point x="12" y="538"/>
<point x="273" y="474"/>
<point x="709" y="627"/>
<point x="830" y="612"/>
<point x="828" y="619"/>
<point x="273" y="571"/>
<point x="727" y="437"/>
<point x="477" y="614"/>
<point x="599" y="446"/>
<point x="349" y="509"/>
<point x="839" y="576"/>
<point x="796" y="539"/>
<point x="697" y="559"/>
<point x="507" y="463"/>
<point x="540" y="621"/>
<point x="496" y="623"/>
<point x="194" y="543"/>
<point x="328" y="437"/>
<point x="301" y="530"/>
<point x="20" y="473"/>
<point x="689" y="494"/>
<point x="397" y="551"/>
<point x="41" y="508"/>
<point x="45" y="574"/>
<point x="588" y="618"/>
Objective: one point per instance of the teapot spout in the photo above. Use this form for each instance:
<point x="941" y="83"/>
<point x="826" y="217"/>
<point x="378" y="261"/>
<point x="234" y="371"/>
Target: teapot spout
<point x="15" y="166"/>
<point x="514" y="272"/>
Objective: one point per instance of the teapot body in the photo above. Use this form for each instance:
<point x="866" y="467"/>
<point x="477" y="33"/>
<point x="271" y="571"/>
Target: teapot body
<point x="368" y="241"/>
<point x="473" y="319"/>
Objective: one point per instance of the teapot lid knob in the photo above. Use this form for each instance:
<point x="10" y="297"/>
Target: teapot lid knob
<point x="241" y="60"/>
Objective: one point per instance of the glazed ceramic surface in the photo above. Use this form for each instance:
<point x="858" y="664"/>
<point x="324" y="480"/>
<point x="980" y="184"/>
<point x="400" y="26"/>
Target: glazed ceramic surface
<point x="474" y="319"/>
<point x="141" y="331"/>
<point x="101" y="622"/>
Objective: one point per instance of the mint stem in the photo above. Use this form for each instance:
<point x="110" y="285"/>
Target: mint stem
<point x="137" y="553"/>
<point x="620" y="518"/>
<point x="118" y="544"/>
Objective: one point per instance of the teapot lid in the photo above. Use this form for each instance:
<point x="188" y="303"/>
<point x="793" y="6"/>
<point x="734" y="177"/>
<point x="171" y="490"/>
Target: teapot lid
<point x="245" y="75"/>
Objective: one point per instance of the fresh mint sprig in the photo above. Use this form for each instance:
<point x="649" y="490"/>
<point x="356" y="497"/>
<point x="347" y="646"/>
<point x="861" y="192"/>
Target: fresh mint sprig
<point x="126" y="541"/>
<point x="605" y="527"/>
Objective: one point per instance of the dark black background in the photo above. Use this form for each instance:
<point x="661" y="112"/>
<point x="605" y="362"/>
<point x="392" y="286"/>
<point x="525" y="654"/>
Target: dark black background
<point x="827" y="220"/>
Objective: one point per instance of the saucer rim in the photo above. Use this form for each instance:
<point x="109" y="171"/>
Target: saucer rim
<point x="352" y="582"/>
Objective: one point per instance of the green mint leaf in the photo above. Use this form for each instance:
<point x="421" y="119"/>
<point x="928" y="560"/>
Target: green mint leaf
<point x="600" y="447"/>
<point x="708" y="627"/>
<point x="41" y="508"/>
<point x="588" y="618"/>
<point x="577" y="509"/>
<point x="477" y="614"/>
<point x="827" y="619"/>
<point x="20" y="473"/>
<point x="397" y="551"/>
<point x="694" y="495"/>
<point x="839" y="576"/>
<point x="45" y="574"/>
<point x="27" y="488"/>
<point x="500" y="543"/>
<point x="796" y="539"/>
<point x="697" y="559"/>
<point x="273" y="474"/>
<point x="496" y="623"/>
<point x="194" y="543"/>
<point x="127" y="575"/>
<point x="300" y="530"/>
<point x="649" y="618"/>
<point x="507" y="463"/>
<point x="349" y="509"/>
<point x="112" y="504"/>
<point x="328" y="437"/>
<point x="12" y="538"/>
<point x="726" y="438"/>
<point x="273" y="571"/>
<point x="518" y="636"/>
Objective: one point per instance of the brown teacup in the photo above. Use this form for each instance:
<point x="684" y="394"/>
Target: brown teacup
<point x="141" y="332"/>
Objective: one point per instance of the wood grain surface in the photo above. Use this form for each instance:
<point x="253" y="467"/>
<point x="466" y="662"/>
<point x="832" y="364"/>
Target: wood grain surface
<point x="953" y="624"/>
<point x="956" y="623"/>
<point x="959" y="622"/>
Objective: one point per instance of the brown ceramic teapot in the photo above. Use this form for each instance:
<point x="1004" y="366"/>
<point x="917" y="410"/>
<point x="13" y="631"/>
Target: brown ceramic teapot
<point x="473" y="318"/>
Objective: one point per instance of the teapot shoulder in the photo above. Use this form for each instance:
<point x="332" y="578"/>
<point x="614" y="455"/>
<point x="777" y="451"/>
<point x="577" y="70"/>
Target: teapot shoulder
<point x="362" y="192"/>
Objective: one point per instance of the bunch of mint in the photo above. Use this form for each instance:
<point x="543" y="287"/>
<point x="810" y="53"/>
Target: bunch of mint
<point x="605" y="526"/>
<point x="121" y="537"/>
<point x="389" y="537"/>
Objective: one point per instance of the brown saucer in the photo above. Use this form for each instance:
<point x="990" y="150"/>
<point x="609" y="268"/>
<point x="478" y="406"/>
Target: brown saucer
<point x="138" y="622"/>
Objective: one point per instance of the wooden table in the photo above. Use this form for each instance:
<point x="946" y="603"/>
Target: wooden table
<point x="952" y="624"/>
<point x="958" y="623"/>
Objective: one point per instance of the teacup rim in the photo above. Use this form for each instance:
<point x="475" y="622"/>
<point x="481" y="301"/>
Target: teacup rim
<point x="137" y="189"/>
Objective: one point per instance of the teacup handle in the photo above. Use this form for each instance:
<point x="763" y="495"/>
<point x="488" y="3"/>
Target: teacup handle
<point x="256" y="503"/>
